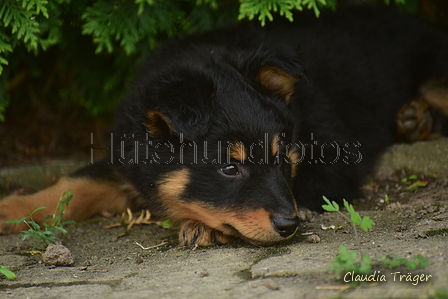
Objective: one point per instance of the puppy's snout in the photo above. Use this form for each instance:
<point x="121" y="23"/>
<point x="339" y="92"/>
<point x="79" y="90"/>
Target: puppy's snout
<point x="286" y="227"/>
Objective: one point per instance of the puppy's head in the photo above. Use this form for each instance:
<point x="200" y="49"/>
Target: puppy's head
<point x="217" y="154"/>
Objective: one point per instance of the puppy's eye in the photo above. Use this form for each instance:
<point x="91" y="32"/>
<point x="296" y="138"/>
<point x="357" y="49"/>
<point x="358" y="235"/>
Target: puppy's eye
<point x="230" y="169"/>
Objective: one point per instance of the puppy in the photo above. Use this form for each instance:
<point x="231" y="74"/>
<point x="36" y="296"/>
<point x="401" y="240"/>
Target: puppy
<point x="229" y="131"/>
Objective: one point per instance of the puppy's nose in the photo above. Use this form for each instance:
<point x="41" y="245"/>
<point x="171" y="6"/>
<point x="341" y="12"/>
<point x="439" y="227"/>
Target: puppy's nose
<point x="286" y="227"/>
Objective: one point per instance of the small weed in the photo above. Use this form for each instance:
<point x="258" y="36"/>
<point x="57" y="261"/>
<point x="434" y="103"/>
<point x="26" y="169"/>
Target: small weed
<point x="47" y="234"/>
<point x="414" y="185"/>
<point x="365" y="222"/>
<point x="409" y="178"/>
<point x="438" y="294"/>
<point x="348" y="261"/>
<point x="8" y="273"/>
<point x="394" y="261"/>
<point x="417" y="185"/>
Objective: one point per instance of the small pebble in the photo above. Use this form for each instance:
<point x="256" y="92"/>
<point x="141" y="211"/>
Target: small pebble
<point x="58" y="255"/>
<point x="313" y="239"/>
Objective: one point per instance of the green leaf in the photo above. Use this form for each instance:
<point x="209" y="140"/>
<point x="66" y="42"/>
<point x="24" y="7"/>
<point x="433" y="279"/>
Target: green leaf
<point x="367" y="223"/>
<point x="350" y="266"/>
<point x="24" y="237"/>
<point x="264" y="8"/>
<point x="366" y="265"/>
<point x="34" y="225"/>
<point x="31" y="232"/>
<point x="355" y="217"/>
<point x="393" y="261"/>
<point x="47" y="233"/>
<point x="345" y="254"/>
<point x="38" y="209"/>
<point x="331" y="206"/>
<point x="411" y="265"/>
<point x="167" y="223"/>
<point x="18" y="221"/>
<point x="8" y="273"/>
<point x="349" y="207"/>
<point x="417" y="185"/>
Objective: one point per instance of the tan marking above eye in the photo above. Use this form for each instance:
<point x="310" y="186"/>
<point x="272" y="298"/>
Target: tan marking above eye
<point x="238" y="151"/>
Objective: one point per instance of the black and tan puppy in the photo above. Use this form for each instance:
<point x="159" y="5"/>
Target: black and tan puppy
<point x="230" y="131"/>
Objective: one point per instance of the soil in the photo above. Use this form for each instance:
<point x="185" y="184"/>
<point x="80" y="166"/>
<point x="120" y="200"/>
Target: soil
<point x="110" y="264"/>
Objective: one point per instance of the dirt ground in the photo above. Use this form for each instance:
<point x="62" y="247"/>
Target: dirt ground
<point x="110" y="264"/>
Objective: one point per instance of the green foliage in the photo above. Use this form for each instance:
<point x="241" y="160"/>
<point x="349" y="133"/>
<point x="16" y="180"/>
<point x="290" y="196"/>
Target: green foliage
<point x="94" y="46"/>
<point x="413" y="184"/>
<point x="417" y="185"/>
<point x="88" y="50"/>
<point x="47" y="234"/>
<point x="365" y="223"/>
<point x="8" y="273"/>
<point x="128" y="24"/>
<point x="347" y="261"/>
<point x="395" y="1"/>
<point x="411" y="177"/>
<point x="167" y="223"/>
<point x="264" y="9"/>
<point x="394" y="261"/>
<point x="28" y="23"/>
<point x="438" y="294"/>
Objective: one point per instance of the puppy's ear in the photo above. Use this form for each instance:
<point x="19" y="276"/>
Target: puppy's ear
<point x="158" y="125"/>
<point x="277" y="81"/>
<point x="168" y="125"/>
<point x="278" y="71"/>
<point x="180" y="106"/>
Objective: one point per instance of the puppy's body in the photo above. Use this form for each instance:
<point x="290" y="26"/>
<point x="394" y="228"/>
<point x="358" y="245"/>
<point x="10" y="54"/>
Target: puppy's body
<point x="230" y="130"/>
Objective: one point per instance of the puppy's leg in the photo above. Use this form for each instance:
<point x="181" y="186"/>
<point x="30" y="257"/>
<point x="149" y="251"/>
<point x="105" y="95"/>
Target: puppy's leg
<point x="426" y="117"/>
<point x="415" y="121"/>
<point x="193" y="233"/>
<point x="96" y="190"/>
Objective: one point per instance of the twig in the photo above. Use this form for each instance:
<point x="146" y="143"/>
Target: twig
<point x="151" y="247"/>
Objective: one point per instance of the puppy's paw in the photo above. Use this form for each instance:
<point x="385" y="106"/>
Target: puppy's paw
<point x="415" y="121"/>
<point x="194" y="234"/>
